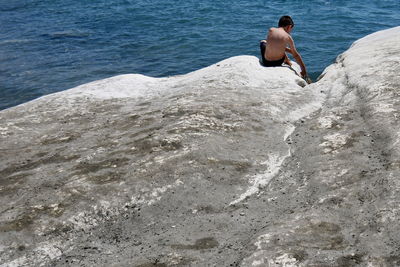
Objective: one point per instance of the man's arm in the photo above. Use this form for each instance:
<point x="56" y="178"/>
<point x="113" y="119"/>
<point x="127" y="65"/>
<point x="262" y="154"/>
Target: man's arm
<point x="296" y="56"/>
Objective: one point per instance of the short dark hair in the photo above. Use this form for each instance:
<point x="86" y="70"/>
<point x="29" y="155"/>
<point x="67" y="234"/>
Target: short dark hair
<point x="285" y="21"/>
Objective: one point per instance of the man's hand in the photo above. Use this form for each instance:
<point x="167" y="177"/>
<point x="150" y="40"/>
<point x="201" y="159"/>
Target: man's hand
<point x="305" y="77"/>
<point x="287" y="61"/>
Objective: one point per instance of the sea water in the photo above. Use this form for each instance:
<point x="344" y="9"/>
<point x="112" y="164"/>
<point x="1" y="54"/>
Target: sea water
<point x="52" y="45"/>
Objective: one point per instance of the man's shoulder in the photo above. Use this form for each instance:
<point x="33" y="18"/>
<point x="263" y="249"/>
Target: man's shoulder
<point x="286" y="35"/>
<point x="289" y="37"/>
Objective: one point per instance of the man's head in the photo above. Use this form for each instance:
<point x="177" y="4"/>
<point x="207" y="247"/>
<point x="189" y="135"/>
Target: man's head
<point x="286" y="22"/>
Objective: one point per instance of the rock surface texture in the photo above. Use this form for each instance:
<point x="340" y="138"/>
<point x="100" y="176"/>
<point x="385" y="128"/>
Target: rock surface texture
<point x="231" y="165"/>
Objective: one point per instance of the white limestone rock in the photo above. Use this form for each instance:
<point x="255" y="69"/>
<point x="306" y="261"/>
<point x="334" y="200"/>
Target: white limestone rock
<point x="348" y="156"/>
<point x="112" y="146"/>
<point x="231" y="164"/>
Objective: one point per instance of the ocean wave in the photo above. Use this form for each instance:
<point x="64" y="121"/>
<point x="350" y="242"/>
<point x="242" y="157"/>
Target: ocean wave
<point x="67" y="34"/>
<point x="14" y="41"/>
<point x="13" y="5"/>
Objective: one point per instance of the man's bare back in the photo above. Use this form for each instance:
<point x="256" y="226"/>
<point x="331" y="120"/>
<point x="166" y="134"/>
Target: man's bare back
<point x="279" y="42"/>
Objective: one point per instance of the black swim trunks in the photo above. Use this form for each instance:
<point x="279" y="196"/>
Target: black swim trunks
<point x="268" y="63"/>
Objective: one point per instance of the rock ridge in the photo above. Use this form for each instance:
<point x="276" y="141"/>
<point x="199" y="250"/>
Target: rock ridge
<point x="231" y="165"/>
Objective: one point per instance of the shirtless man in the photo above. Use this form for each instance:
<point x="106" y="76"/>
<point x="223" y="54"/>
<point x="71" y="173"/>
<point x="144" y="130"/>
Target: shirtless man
<point x="278" y="39"/>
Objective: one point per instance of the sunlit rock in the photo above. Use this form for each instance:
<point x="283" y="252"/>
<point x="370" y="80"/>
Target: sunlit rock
<point x="231" y="164"/>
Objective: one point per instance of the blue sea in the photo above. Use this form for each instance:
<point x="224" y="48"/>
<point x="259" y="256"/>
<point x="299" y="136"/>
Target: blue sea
<point x="52" y="45"/>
